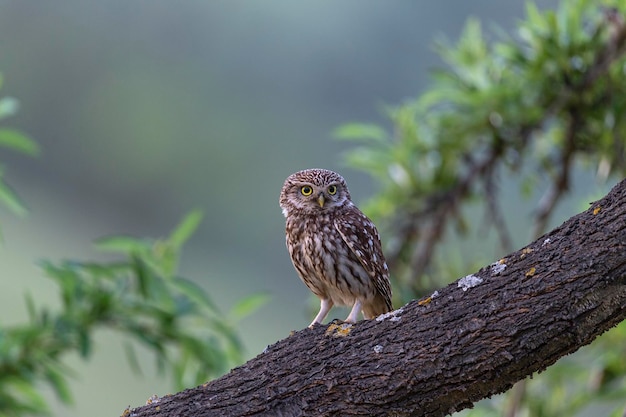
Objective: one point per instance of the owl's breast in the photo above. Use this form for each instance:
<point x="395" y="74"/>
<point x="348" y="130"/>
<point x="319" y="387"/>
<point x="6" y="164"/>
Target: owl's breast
<point x="310" y="242"/>
<point x="306" y="239"/>
<point x="324" y="261"/>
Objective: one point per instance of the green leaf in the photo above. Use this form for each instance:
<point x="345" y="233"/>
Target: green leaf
<point x="9" y="198"/>
<point x="17" y="141"/>
<point x="361" y="131"/>
<point x="30" y="307"/>
<point x="122" y="244"/>
<point x="59" y="385"/>
<point x="194" y="292"/>
<point x="84" y="342"/>
<point x="146" y="282"/>
<point x="131" y="357"/>
<point x="106" y="271"/>
<point x="186" y="228"/>
<point x="21" y="396"/>
<point x="248" y="305"/>
<point x="620" y="411"/>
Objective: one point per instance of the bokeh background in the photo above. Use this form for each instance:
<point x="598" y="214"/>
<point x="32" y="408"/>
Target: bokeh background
<point x="147" y="109"/>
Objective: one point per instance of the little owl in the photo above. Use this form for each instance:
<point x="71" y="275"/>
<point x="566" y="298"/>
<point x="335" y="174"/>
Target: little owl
<point x="334" y="247"/>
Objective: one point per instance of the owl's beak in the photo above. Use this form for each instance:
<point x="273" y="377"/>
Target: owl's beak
<point x="321" y="200"/>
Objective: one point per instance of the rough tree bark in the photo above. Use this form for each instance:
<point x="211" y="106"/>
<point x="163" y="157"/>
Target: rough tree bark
<point x="470" y="340"/>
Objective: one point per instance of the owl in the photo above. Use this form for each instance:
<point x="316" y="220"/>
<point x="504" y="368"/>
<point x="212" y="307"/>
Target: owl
<point x="334" y="247"/>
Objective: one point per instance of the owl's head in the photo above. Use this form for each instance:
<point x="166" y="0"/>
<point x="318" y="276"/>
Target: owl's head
<point x="313" y="191"/>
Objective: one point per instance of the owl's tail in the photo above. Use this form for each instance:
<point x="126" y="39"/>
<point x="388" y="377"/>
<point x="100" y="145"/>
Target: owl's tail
<point x="376" y="307"/>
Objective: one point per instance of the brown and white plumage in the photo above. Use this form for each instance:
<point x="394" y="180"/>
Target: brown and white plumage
<point x="334" y="247"/>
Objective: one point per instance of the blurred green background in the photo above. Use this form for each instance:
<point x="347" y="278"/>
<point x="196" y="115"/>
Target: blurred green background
<point x="147" y="109"/>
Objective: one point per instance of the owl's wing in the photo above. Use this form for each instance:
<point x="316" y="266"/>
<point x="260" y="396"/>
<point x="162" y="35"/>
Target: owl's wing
<point x="361" y="236"/>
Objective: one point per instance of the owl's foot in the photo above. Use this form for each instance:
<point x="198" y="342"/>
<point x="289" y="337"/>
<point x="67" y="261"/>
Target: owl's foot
<point x="354" y="313"/>
<point x="325" y="306"/>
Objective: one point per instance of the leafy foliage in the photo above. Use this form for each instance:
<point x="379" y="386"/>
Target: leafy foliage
<point x="534" y="106"/>
<point x="16" y="141"/>
<point x="140" y="296"/>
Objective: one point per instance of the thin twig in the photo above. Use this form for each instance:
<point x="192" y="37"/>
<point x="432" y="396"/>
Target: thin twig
<point x="560" y="185"/>
<point x="495" y="215"/>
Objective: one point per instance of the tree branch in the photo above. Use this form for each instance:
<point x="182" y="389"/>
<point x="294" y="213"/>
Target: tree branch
<point x="470" y="340"/>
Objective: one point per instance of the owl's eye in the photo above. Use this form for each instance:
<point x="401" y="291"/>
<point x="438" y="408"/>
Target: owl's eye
<point x="306" y="190"/>
<point x="332" y="189"/>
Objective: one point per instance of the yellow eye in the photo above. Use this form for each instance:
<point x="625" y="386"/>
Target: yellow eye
<point x="306" y="190"/>
<point x="332" y="190"/>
